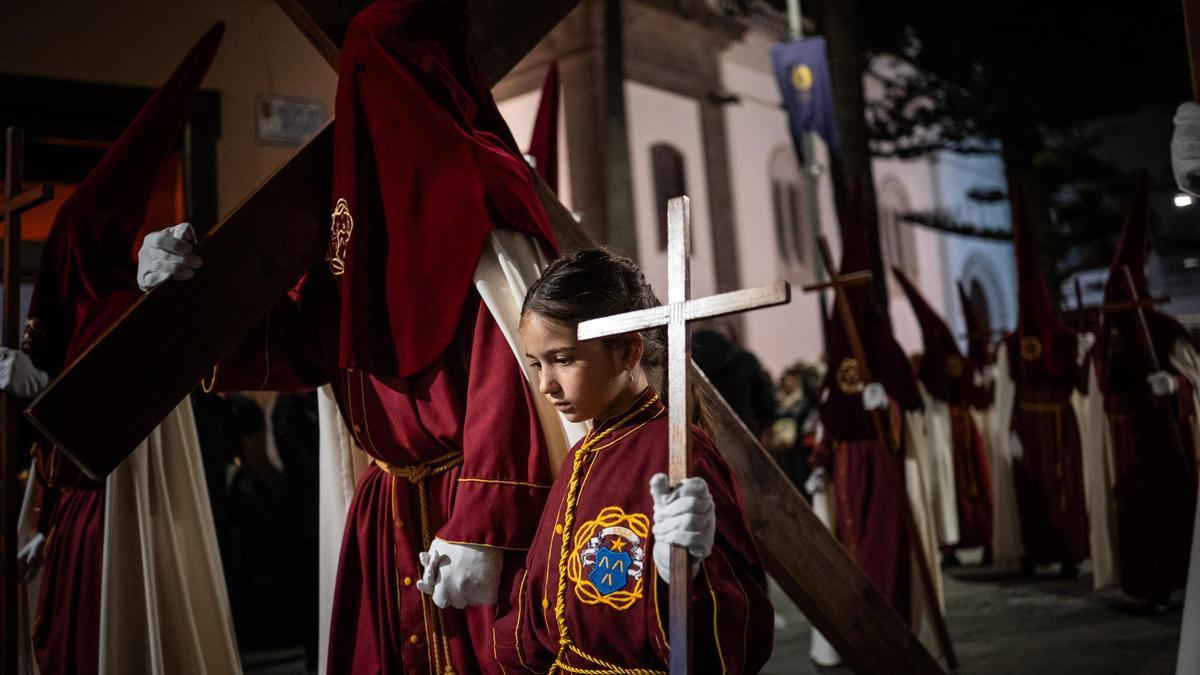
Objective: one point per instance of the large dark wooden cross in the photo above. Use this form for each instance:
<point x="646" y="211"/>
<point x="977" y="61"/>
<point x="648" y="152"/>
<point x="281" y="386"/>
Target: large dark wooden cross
<point x="258" y="252"/>
<point x="16" y="203"/>
<point x="680" y="309"/>
<point x="884" y="446"/>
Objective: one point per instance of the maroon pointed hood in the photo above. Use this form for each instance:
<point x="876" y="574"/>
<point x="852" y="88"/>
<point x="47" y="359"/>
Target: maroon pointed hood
<point x="943" y="370"/>
<point x="979" y="330"/>
<point x="1131" y="250"/>
<point x="424" y="168"/>
<point x="1042" y="345"/>
<point x="86" y="276"/>
<point x="543" y="144"/>
<point x="1122" y="361"/>
<point x="841" y="411"/>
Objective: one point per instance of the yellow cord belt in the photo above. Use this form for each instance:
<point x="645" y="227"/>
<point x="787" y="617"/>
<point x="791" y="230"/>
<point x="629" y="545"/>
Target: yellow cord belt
<point x="560" y="615"/>
<point x="417" y="475"/>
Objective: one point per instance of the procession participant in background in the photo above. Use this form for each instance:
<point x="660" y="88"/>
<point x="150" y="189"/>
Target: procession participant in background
<point x="1047" y="362"/>
<point x="594" y="590"/>
<point x="113" y="594"/>
<point x="993" y="421"/>
<point x="853" y="494"/>
<point x="1151" y="418"/>
<point x="412" y="320"/>
<point x="949" y="388"/>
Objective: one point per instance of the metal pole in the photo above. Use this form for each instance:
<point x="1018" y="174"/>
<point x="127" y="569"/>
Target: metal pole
<point x="810" y="172"/>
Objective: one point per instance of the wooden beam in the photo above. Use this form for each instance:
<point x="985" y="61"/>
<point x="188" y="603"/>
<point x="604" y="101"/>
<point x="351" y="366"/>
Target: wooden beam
<point x="251" y="259"/>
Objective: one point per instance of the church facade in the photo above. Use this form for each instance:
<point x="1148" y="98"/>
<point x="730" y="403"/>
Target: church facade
<point x="700" y="113"/>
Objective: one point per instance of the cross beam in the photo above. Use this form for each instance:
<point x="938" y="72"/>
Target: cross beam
<point x="800" y="553"/>
<point x="675" y="316"/>
<point x="16" y="202"/>
<point x="883" y="448"/>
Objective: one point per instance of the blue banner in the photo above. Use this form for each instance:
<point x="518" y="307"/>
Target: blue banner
<point x="802" y="73"/>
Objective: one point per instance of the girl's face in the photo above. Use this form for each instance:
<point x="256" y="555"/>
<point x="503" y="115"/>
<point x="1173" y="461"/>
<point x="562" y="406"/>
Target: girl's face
<point x="584" y="380"/>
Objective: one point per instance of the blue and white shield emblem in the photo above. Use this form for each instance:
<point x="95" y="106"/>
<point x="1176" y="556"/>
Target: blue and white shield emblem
<point x="611" y="571"/>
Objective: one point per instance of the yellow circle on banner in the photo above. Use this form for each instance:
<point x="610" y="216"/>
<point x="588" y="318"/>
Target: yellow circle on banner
<point x="802" y="77"/>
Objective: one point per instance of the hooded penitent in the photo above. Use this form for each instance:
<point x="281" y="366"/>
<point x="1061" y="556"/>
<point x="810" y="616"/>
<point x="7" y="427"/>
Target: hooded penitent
<point x="1153" y="449"/>
<point x="943" y="370"/>
<point x="86" y="279"/>
<point x="1042" y="356"/>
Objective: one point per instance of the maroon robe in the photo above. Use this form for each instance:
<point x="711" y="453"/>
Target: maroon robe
<point x="424" y="169"/>
<point x="1048" y="477"/>
<point x="613" y="603"/>
<point x="463" y="432"/>
<point x="1155" y="487"/>
<point x="85" y="282"/>
<point x="950" y="378"/>
<point x="70" y="513"/>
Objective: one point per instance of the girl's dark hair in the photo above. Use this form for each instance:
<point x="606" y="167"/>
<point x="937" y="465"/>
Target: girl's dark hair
<point x="593" y="283"/>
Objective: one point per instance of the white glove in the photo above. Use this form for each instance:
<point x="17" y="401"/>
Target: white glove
<point x="18" y="375"/>
<point x="1185" y="148"/>
<point x="1083" y="346"/>
<point x="460" y="575"/>
<point x="684" y="516"/>
<point x="1162" y="383"/>
<point x="1014" y="446"/>
<point x="874" y="397"/>
<point x="29" y="558"/>
<point x="815" y="484"/>
<point x="167" y="254"/>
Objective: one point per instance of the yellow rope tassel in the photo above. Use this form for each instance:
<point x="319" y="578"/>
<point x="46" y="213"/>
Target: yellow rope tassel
<point x="417" y="475"/>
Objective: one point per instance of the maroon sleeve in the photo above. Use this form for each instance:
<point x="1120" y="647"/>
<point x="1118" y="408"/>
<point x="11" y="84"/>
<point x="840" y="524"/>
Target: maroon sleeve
<point x="505" y="476"/>
<point x="515" y="635"/>
<point x="732" y="617"/>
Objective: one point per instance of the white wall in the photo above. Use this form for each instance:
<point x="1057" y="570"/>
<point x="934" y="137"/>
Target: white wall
<point x="139" y="42"/>
<point x="657" y="116"/>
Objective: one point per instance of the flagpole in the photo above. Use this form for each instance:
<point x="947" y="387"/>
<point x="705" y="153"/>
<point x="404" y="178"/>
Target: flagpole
<point x="810" y="172"/>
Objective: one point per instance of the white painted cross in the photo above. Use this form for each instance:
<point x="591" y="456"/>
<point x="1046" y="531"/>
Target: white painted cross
<point x="675" y="315"/>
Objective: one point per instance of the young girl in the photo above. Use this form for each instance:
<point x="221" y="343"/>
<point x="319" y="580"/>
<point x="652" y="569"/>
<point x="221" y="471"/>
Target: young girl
<point x="593" y="596"/>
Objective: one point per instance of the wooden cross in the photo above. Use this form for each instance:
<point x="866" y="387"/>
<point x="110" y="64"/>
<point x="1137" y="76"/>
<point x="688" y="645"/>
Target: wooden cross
<point x="16" y="202"/>
<point x="258" y="252"/>
<point x="884" y="444"/>
<point x="1115" y="307"/>
<point x="675" y="315"/>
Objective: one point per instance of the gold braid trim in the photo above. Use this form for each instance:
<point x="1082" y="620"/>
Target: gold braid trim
<point x="417" y="474"/>
<point x="560" y="596"/>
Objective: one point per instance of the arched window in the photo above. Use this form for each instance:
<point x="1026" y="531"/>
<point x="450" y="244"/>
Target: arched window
<point x="895" y="236"/>
<point x="984" y="284"/>
<point x="788" y="208"/>
<point x="667" y="163"/>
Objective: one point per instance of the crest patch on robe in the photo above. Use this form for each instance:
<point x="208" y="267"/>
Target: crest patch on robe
<point x="341" y="227"/>
<point x="609" y="558"/>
